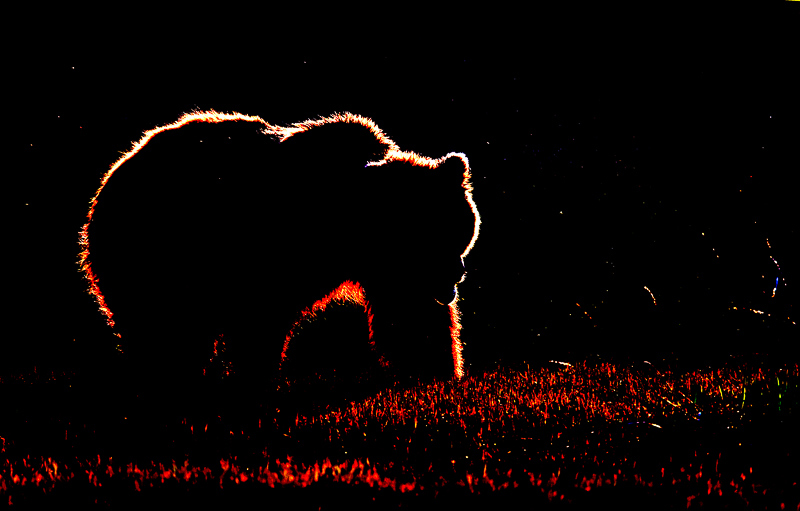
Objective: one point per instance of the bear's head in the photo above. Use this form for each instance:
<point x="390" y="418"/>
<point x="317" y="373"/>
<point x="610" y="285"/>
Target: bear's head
<point x="424" y="232"/>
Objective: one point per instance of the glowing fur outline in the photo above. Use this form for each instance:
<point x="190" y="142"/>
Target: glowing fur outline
<point x="393" y="153"/>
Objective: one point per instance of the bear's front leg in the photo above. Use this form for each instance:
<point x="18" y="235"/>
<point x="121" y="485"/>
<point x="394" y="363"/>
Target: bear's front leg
<point x="416" y="337"/>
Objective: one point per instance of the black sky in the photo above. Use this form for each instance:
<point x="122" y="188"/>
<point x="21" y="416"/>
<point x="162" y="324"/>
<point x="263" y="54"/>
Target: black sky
<point x="609" y="153"/>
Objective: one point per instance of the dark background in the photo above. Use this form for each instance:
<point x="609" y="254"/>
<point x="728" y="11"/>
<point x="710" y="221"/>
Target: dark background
<point x="610" y="151"/>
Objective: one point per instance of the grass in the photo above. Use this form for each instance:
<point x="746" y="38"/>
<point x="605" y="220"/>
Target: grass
<point x="562" y="433"/>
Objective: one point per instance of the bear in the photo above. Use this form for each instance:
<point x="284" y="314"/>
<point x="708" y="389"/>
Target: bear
<point x="226" y="227"/>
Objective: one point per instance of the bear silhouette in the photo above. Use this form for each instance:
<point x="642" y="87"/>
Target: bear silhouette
<point x="224" y="224"/>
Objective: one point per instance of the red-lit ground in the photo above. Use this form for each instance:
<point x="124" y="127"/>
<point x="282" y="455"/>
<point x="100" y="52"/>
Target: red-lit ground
<point x="594" y="433"/>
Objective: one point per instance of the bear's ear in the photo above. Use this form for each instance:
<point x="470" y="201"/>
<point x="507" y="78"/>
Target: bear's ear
<point x="454" y="169"/>
<point x="348" y="144"/>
